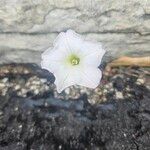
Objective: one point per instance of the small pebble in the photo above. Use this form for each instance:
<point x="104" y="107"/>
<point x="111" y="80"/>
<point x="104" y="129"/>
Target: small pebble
<point x="46" y="87"/>
<point x="105" y="91"/>
<point x="4" y="80"/>
<point x="20" y="126"/>
<point x="26" y="71"/>
<point x="1" y="113"/>
<point x="60" y="147"/>
<point x="140" y="81"/>
<point x="16" y="109"/>
<point x="4" y="91"/>
<point x="36" y="91"/>
<point x="33" y="87"/>
<point x="125" y="135"/>
<point x="119" y="95"/>
<point x="43" y="80"/>
<point x="45" y="104"/>
<point x="36" y="82"/>
<point x="24" y="91"/>
<point x="67" y="90"/>
<point x="17" y="87"/>
<point x="2" y="85"/>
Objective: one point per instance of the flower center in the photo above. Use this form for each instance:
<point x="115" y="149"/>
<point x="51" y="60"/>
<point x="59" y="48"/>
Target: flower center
<point x="74" y="60"/>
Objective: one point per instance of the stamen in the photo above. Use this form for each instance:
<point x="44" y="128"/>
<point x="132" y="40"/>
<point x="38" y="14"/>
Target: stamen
<point x="74" y="60"/>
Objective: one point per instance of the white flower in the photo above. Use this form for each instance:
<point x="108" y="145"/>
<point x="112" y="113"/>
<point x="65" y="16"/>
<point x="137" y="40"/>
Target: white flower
<point x="73" y="60"/>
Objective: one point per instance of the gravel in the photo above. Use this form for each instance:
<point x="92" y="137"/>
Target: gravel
<point x="27" y="80"/>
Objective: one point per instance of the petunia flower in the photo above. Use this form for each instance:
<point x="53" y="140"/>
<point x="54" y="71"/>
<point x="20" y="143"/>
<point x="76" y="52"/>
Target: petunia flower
<point x="73" y="61"/>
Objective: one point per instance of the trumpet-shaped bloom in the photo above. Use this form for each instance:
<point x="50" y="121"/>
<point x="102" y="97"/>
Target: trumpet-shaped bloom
<point x="73" y="60"/>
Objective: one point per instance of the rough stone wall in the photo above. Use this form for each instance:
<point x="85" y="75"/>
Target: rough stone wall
<point x="28" y="27"/>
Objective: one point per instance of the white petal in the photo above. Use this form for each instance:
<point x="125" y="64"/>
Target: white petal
<point x="92" y="54"/>
<point x="60" y="49"/>
<point x="51" y="66"/>
<point x="46" y="52"/>
<point x="60" y="46"/>
<point x="64" y="79"/>
<point x="89" y="77"/>
<point x="52" y="59"/>
<point x="53" y="55"/>
<point x="74" y="41"/>
<point x="62" y="42"/>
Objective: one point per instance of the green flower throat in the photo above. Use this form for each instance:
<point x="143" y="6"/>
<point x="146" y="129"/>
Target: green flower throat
<point x="74" y="60"/>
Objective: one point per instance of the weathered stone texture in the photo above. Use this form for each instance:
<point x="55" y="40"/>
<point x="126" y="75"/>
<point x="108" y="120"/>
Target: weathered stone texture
<point x="29" y="27"/>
